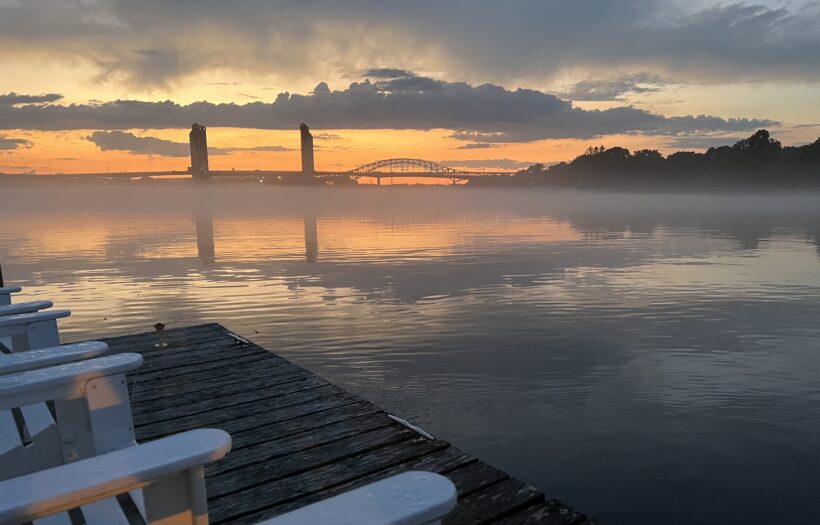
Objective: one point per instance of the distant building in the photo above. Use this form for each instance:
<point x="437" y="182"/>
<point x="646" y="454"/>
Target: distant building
<point x="308" y="170"/>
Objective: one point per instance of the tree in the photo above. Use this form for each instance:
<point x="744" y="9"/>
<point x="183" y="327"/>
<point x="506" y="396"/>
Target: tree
<point x="760" y="144"/>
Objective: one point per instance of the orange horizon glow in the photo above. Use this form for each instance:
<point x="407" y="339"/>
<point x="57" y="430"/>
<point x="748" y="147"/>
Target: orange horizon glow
<point x="65" y="152"/>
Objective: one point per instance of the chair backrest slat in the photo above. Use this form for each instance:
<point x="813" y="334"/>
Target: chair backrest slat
<point x="9" y="435"/>
<point x="37" y="418"/>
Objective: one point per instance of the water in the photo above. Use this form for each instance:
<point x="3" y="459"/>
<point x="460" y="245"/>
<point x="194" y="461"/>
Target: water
<point x="646" y="358"/>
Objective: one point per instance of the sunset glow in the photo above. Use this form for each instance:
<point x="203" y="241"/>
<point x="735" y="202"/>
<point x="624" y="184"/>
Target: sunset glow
<point x="635" y="100"/>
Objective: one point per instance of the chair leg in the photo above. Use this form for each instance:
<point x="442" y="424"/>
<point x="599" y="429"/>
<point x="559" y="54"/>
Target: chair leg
<point x="178" y="499"/>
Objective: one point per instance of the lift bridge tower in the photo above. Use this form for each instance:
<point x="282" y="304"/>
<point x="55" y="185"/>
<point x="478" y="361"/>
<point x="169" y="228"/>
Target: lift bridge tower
<point x="308" y="169"/>
<point x="199" y="152"/>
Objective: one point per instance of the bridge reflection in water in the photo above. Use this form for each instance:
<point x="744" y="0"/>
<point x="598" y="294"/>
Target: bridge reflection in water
<point x="205" y="237"/>
<point x="206" y="250"/>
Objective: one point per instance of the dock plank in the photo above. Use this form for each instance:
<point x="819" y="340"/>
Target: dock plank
<point x="297" y="438"/>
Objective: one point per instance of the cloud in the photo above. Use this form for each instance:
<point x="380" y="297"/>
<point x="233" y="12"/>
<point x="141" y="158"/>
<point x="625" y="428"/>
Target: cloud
<point x="151" y="44"/>
<point x="7" y="144"/>
<point x="611" y="89"/>
<point x="125" y="141"/>
<point x="326" y="136"/>
<point x="12" y="99"/>
<point x="387" y="72"/>
<point x="502" y="164"/>
<point x="485" y="113"/>
<point x="478" y="145"/>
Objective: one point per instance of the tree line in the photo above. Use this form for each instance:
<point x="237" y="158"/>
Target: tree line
<point x="756" y="162"/>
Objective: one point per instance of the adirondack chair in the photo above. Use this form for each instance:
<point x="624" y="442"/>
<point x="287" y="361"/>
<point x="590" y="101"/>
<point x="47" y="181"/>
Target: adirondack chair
<point x="91" y="406"/>
<point x="21" y="308"/>
<point x="93" y="414"/>
<point x="170" y="472"/>
<point x="5" y="293"/>
<point x="93" y="457"/>
<point x="52" y="356"/>
<point x="32" y="330"/>
<point x="24" y="308"/>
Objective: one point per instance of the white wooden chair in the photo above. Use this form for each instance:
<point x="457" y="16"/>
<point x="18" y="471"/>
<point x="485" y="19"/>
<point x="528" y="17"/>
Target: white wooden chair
<point x="170" y="472"/>
<point x="6" y="308"/>
<point x="92" y="413"/>
<point x="91" y="456"/>
<point x="52" y="356"/>
<point x="5" y="293"/>
<point x="32" y="330"/>
<point x="24" y="308"/>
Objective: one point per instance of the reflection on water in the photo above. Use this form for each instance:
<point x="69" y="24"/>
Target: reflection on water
<point x="311" y="239"/>
<point x="647" y="358"/>
<point x="205" y="237"/>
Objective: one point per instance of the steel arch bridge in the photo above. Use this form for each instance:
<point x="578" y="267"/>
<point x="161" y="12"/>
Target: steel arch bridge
<point x="406" y="167"/>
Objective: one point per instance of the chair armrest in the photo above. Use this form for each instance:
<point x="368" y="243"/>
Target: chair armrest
<point x="21" y="320"/>
<point x="52" y="356"/>
<point x="24" y="308"/>
<point x="410" y="498"/>
<point x="54" y="382"/>
<point x="47" y="492"/>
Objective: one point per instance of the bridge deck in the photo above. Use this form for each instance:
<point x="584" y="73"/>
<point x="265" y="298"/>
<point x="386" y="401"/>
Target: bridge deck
<point x="298" y="438"/>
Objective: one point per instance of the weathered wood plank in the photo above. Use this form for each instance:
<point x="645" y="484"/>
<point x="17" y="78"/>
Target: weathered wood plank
<point x="196" y="375"/>
<point x="474" y="477"/>
<point x="181" y="331"/>
<point x="208" y="353"/>
<point x="494" y="502"/>
<point x="212" y="398"/>
<point x="244" y="417"/>
<point x="278" y="430"/>
<point x="174" y="345"/>
<point x="195" y="371"/>
<point x="226" y="404"/>
<point x="145" y="341"/>
<point x="285" y="446"/>
<point x="552" y="512"/>
<point x="305" y="460"/>
<point x="441" y="462"/>
<point x="238" y="504"/>
<point x="211" y="382"/>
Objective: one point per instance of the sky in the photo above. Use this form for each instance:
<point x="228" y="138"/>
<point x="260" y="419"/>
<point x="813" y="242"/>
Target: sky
<point x="96" y="85"/>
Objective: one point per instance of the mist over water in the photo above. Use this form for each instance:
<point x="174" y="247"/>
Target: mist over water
<point x="647" y="358"/>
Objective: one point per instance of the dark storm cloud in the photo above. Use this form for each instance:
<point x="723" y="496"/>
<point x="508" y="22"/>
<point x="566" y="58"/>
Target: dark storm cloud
<point x="387" y="72"/>
<point x="11" y="99"/>
<point x="485" y="113"/>
<point x="611" y="89"/>
<point x="125" y="141"/>
<point x="154" y="43"/>
<point x="7" y="144"/>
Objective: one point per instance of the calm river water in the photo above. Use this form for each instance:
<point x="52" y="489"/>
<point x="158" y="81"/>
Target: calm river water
<point x="645" y="358"/>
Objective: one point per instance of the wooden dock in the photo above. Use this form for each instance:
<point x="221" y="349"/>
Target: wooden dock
<point x="297" y="438"/>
